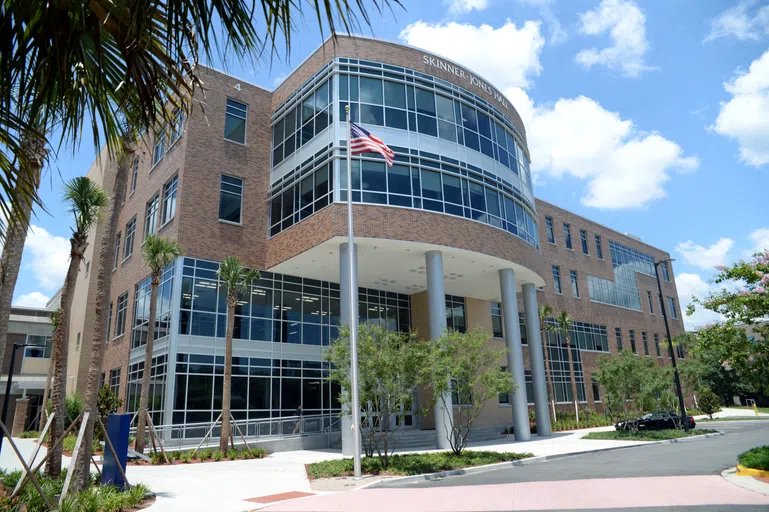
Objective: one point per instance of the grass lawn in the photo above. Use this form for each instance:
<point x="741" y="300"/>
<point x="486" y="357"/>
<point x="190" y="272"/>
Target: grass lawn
<point x="411" y="464"/>
<point x="757" y="458"/>
<point x="649" y="435"/>
<point x="760" y="409"/>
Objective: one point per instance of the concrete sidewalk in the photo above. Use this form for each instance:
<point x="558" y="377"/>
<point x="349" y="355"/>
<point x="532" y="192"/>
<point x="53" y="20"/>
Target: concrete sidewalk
<point x="225" y="486"/>
<point x="733" y="412"/>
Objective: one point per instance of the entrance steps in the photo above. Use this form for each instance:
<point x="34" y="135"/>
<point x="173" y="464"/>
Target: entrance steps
<point x="415" y="439"/>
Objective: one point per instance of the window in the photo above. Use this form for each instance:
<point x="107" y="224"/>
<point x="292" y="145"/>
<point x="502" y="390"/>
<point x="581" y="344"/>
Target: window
<point x="230" y="199"/>
<point x="574" y="284"/>
<point x="496" y="320"/>
<point x="235" y="121"/>
<point x="151" y="216"/>
<point x="645" y="340"/>
<point x="42" y="350"/>
<point x="618" y="335"/>
<point x="456" y="400"/>
<point x="455" y="313"/>
<point x="549" y="228"/>
<point x="680" y="351"/>
<point x="672" y="308"/>
<point x="651" y="302"/>
<point x="583" y="238"/>
<point x="160" y="146"/>
<point x="134" y="175"/>
<point x="598" y="248"/>
<point x="632" y="341"/>
<point x="557" y="279"/>
<point x="504" y="398"/>
<point x="596" y="391"/>
<point x="169" y="198"/>
<point x="117" y="251"/>
<point x="567" y="235"/>
<point x="178" y="126"/>
<point x="130" y="230"/>
<point x="657" y="345"/>
<point x="101" y="380"/>
<point x="122" y="305"/>
<point x="623" y="290"/>
<point x="109" y="323"/>
<point x="114" y="381"/>
<point x="665" y="271"/>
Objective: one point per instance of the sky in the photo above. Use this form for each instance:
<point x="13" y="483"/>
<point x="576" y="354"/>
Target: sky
<point x="649" y="117"/>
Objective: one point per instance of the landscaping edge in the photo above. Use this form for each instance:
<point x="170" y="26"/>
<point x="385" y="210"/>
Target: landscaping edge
<point x="523" y="462"/>
<point x="751" y="484"/>
<point x="743" y="471"/>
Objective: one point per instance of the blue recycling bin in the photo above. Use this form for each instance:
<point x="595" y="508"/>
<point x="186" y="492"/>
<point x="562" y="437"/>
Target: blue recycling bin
<point x="118" y="426"/>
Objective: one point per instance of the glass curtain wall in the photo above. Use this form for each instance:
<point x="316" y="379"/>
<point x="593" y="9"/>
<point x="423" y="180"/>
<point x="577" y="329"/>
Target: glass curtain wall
<point x="623" y="291"/>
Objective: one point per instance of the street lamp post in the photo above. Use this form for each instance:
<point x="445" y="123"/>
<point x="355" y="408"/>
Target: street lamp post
<point x="16" y="346"/>
<point x="684" y="419"/>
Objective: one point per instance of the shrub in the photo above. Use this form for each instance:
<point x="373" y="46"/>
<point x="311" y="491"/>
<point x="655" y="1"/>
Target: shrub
<point x="645" y="435"/>
<point x="205" y="454"/>
<point x="107" y="403"/>
<point x="709" y="403"/>
<point x="757" y="458"/>
<point x="29" y="434"/>
<point x="185" y="457"/>
<point x="156" y="459"/>
<point x="232" y="454"/>
<point x="218" y="455"/>
<point x="412" y="464"/>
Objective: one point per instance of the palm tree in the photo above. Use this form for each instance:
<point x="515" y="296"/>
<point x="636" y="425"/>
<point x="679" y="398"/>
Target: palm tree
<point x="126" y="67"/>
<point x="16" y="232"/>
<point x="236" y="279"/>
<point x="544" y="313"/>
<point x="86" y="200"/>
<point x="103" y="289"/>
<point x="158" y="252"/>
<point x="563" y="326"/>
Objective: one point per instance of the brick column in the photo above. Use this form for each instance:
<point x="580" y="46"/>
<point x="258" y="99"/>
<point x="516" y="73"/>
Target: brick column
<point x="20" y="416"/>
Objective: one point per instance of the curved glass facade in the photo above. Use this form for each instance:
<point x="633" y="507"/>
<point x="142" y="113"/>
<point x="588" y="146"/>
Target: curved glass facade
<point x="456" y="153"/>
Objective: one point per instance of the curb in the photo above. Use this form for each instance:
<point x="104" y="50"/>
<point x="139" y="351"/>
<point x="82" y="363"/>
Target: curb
<point x="751" y="484"/>
<point x="743" y="471"/>
<point x="522" y="462"/>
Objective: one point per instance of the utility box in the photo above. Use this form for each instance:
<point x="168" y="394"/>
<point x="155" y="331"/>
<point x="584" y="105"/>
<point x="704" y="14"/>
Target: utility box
<point x="118" y="426"/>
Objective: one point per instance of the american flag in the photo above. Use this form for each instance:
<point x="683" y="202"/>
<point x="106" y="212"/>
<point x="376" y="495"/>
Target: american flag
<point x="363" y="141"/>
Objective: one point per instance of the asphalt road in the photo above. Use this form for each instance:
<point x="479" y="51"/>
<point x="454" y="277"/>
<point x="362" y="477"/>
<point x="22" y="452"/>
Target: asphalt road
<point x="699" y="457"/>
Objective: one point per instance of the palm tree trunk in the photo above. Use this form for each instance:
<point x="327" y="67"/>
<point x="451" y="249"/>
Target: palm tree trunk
<point x="571" y="369"/>
<point x="227" y="387"/>
<point x="103" y="290"/>
<point x="548" y="376"/>
<point x="145" y="390"/>
<point x="61" y="351"/>
<point x="15" y="236"/>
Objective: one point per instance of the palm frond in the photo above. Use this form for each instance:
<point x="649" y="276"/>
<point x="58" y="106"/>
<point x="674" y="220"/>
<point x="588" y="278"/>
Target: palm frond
<point x="236" y="277"/>
<point x="86" y="199"/>
<point x="158" y="252"/>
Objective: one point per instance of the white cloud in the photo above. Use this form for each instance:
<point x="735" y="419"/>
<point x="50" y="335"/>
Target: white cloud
<point x="47" y="256"/>
<point x="760" y="239"/>
<point x="507" y="56"/>
<point x="465" y="6"/>
<point x="745" y="117"/>
<point x="623" y="166"/>
<point x="556" y="33"/>
<point x="706" y="257"/>
<point x="31" y="300"/>
<point x="689" y="285"/>
<point x="740" y="23"/>
<point x="626" y="25"/>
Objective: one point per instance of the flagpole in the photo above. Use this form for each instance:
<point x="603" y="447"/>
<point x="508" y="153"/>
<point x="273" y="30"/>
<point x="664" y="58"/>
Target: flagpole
<point x="353" y="317"/>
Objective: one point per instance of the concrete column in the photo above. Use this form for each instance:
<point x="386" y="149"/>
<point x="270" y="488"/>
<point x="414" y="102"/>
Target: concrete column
<point x="344" y="311"/>
<point x="20" y="416"/>
<point x="520" y="406"/>
<point x="436" y="308"/>
<point x="536" y="359"/>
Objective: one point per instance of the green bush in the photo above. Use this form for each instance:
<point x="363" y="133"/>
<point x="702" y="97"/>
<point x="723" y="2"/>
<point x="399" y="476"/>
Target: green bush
<point x="107" y="403"/>
<point x="69" y="444"/>
<point x="232" y="454"/>
<point x="646" y="435"/>
<point x="218" y="455"/>
<point x="206" y="454"/>
<point x="29" y="434"/>
<point x="709" y="403"/>
<point x="412" y="464"/>
<point x="186" y="457"/>
<point x="756" y="458"/>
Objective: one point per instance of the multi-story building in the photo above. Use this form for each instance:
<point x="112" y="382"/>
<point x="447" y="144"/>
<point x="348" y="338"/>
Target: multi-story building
<point x="450" y="236"/>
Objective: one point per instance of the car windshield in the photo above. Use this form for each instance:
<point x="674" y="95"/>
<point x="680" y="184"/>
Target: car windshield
<point x="646" y="416"/>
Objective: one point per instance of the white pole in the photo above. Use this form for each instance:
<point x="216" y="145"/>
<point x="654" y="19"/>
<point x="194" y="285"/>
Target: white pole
<point x="555" y="418"/>
<point x="353" y="320"/>
<point x="576" y="410"/>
